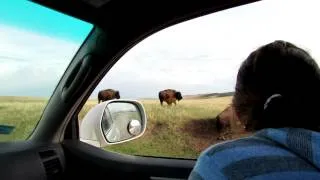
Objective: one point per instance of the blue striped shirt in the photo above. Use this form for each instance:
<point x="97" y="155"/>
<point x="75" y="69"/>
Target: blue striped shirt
<point x="285" y="153"/>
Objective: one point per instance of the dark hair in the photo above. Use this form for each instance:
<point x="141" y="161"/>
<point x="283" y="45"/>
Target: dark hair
<point x="287" y="71"/>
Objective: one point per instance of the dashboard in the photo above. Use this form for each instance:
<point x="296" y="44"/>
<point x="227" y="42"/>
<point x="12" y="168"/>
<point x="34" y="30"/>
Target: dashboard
<point x="27" y="160"/>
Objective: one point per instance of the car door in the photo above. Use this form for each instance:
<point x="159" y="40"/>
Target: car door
<point x="85" y="160"/>
<point x="118" y="162"/>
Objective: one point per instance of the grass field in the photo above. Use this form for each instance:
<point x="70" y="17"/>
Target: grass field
<point x="21" y="112"/>
<point x="181" y="131"/>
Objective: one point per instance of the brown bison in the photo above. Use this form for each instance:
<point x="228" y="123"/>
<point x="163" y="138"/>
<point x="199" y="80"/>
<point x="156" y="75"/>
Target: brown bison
<point x="224" y="122"/>
<point x="108" y="94"/>
<point x="169" y="96"/>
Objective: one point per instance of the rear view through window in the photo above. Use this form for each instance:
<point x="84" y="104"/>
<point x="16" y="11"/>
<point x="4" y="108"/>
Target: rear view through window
<point x="36" y="46"/>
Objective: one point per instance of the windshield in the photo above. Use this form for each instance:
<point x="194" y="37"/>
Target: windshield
<point x="36" y="46"/>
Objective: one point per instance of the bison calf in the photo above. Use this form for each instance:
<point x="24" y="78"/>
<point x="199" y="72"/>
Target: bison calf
<point x="169" y="96"/>
<point x="108" y="94"/>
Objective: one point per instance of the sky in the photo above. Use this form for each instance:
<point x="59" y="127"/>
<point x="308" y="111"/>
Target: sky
<point x="36" y="46"/>
<point x="198" y="56"/>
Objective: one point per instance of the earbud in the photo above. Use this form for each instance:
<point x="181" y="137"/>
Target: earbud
<point x="271" y="98"/>
<point x="274" y="110"/>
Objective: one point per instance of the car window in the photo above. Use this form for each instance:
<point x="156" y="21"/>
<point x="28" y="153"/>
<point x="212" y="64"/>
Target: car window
<point x="200" y="59"/>
<point x="36" y="46"/>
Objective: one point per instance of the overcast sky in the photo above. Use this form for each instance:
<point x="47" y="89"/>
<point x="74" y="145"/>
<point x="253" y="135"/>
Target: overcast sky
<point x="198" y="56"/>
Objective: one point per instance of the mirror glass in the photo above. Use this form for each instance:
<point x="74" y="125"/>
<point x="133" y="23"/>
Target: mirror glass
<point x="121" y="121"/>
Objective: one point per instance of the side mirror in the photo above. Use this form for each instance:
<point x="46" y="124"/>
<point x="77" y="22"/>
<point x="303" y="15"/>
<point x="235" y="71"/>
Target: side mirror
<point x="113" y="122"/>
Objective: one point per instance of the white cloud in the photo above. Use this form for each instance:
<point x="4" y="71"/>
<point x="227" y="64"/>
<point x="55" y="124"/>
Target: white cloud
<point x="199" y="56"/>
<point x="204" y="54"/>
<point x="31" y="64"/>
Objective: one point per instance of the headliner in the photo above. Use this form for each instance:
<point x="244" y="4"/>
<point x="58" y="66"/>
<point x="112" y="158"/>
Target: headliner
<point x="118" y="15"/>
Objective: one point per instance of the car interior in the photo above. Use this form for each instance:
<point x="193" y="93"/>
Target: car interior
<point x="53" y="150"/>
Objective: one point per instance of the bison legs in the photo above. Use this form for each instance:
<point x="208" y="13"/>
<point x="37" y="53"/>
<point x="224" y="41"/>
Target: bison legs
<point x="169" y="102"/>
<point x="223" y="127"/>
<point x="175" y="103"/>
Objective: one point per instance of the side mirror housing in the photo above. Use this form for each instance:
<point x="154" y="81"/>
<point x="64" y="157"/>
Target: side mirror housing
<point x="113" y="122"/>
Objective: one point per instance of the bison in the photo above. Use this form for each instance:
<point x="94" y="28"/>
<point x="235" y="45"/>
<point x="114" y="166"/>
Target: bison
<point x="169" y="96"/>
<point x="224" y="122"/>
<point x="108" y="94"/>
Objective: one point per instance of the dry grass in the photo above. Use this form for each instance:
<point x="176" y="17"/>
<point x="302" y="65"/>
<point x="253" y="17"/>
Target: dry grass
<point x="181" y="131"/>
<point x="21" y="112"/>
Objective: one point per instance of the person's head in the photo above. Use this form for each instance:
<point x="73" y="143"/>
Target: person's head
<point x="278" y="85"/>
<point x="178" y="95"/>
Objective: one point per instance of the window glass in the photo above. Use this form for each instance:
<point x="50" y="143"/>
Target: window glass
<point x="36" y="46"/>
<point x="200" y="58"/>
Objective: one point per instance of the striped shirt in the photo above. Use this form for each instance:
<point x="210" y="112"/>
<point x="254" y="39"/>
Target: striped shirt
<point x="285" y="153"/>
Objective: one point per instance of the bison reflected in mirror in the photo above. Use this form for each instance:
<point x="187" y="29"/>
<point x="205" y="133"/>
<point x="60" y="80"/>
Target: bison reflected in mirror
<point x="169" y="96"/>
<point x="108" y="94"/>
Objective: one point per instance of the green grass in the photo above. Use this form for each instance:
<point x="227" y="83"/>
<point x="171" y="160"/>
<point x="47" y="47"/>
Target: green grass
<point x="181" y="131"/>
<point x="21" y="112"/>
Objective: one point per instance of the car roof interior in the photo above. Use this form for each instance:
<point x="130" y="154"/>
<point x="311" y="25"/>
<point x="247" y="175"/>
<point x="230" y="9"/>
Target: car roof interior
<point x="118" y="26"/>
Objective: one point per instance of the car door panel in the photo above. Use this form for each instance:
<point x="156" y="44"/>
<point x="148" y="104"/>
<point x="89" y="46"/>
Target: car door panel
<point x="30" y="160"/>
<point x="84" y="157"/>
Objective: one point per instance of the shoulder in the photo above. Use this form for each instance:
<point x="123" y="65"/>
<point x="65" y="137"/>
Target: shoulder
<point x="260" y="155"/>
<point x="219" y="161"/>
<point x="232" y="146"/>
